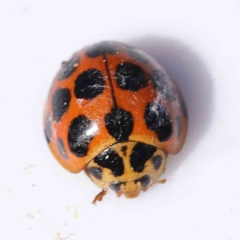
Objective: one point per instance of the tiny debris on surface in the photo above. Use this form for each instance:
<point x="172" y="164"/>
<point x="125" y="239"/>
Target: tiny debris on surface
<point x="33" y="215"/>
<point x="63" y="238"/>
<point x="75" y="214"/>
<point x="28" y="168"/>
<point x="30" y="215"/>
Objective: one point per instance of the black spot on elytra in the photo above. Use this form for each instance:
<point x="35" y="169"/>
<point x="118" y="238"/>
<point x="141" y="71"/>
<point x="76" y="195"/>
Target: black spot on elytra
<point x="48" y="129"/>
<point x="124" y="150"/>
<point x="162" y="84"/>
<point x="61" y="148"/>
<point x="60" y="103"/>
<point x="178" y="126"/>
<point x="111" y="160"/>
<point x="104" y="47"/>
<point x="157" y="161"/>
<point x="96" y="172"/>
<point x="115" y="186"/>
<point x="68" y="68"/>
<point x="78" y="135"/>
<point x="130" y="77"/>
<point x="144" y="180"/>
<point x="158" y="120"/>
<point x="138" y="55"/>
<point x="119" y="124"/>
<point x="89" y="84"/>
<point x="183" y="107"/>
<point x="140" y="154"/>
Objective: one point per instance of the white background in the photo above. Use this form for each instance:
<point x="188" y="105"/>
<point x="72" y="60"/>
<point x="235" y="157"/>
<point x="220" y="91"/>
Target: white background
<point x="198" y="42"/>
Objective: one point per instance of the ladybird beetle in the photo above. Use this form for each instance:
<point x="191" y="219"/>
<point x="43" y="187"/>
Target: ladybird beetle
<point x="114" y="112"/>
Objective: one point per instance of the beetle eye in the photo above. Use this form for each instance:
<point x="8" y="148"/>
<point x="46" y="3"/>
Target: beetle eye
<point x="157" y="161"/>
<point x="96" y="172"/>
<point x="145" y="180"/>
<point x="115" y="186"/>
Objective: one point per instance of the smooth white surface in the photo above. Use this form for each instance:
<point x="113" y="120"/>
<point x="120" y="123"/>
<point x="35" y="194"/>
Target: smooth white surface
<point x="198" y="42"/>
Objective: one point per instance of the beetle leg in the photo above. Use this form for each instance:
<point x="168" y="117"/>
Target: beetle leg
<point x="119" y="194"/>
<point x="159" y="181"/>
<point x="99" y="196"/>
